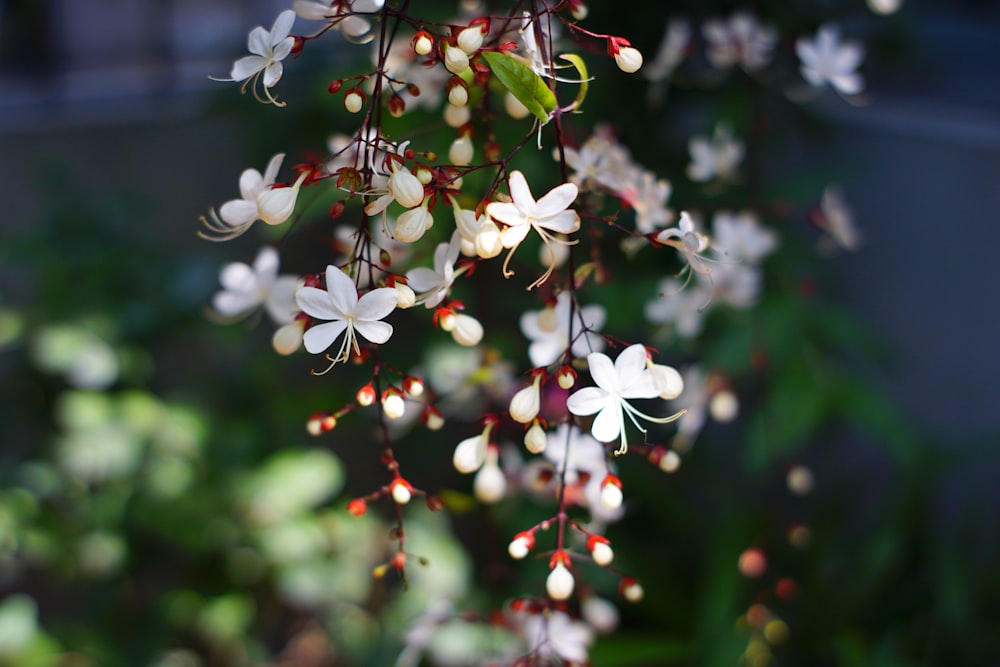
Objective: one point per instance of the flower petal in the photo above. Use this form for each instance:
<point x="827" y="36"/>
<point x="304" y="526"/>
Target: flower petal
<point x="320" y="337"/>
<point x="318" y="303"/>
<point x="588" y="400"/>
<point x="608" y="423"/>
<point x="506" y="213"/>
<point x="238" y="277"/>
<point x="271" y="173"/>
<point x="374" y="331"/>
<point x="342" y="290"/>
<point x="602" y="369"/>
<point x="246" y="67"/>
<point x="237" y="212"/>
<point x="251" y="184"/>
<point x="282" y="26"/>
<point x="629" y="367"/>
<point x="272" y="74"/>
<point x="376" y="304"/>
<point x="280" y="303"/>
<point x="266" y="265"/>
<point x="511" y="236"/>
<point x="521" y="193"/>
<point x="564" y="222"/>
<point x="422" y="279"/>
<point x="259" y="42"/>
<point x="555" y="200"/>
<point x="231" y="304"/>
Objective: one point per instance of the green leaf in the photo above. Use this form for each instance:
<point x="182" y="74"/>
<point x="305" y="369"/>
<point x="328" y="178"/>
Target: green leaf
<point x="529" y="88"/>
<point x="581" y="69"/>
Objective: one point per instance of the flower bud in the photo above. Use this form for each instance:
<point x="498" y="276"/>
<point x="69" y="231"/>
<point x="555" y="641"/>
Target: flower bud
<point x="404" y="295"/>
<point x="456" y="60"/>
<point x="666" y="380"/>
<point x="535" y="439"/>
<point x="600" y="614"/>
<point x="488" y="243"/>
<point x="514" y="108"/>
<point x="628" y="59"/>
<point x="470" y="454"/>
<point x="365" y="395"/>
<point x="458" y="96"/>
<point x="401" y="491"/>
<point x="422" y="43"/>
<point x="470" y="39"/>
<point x="461" y="151"/>
<point x="631" y="589"/>
<point x="406" y="188"/>
<point x="354" y="101"/>
<point x="412" y="224"/>
<point x="288" y="338"/>
<point x="559" y="584"/>
<point x="600" y="550"/>
<point x="413" y="386"/>
<point x="490" y="484"/>
<point x="432" y="418"/>
<point x="566" y="377"/>
<point x="670" y="461"/>
<point x="392" y="403"/>
<point x="524" y="405"/>
<point x="521" y="545"/>
<point x="276" y="205"/>
<point x="724" y="406"/>
<point x="468" y="331"/>
<point x="456" y="116"/>
<point x="357" y="507"/>
<point x="611" y="492"/>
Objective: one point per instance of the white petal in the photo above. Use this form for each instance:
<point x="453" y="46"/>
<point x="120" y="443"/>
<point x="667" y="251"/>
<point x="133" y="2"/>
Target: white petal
<point x="271" y="173"/>
<point x="283" y="48"/>
<point x="376" y="304"/>
<point x="565" y="222"/>
<point x="246" y="67"/>
<point x="282" y="26"/>
<point x="238" y="212"/>
<point x="602" y="369"/>
<point x="608" y="423"/>
<point x="320" y="337"/>
<point x="281" y="304"/>
<point x="375" y="331"/>
<point x="272" y="74"/>
<point x="259" y="42"/>
<point x="238" y="277"/>
<point x="266" y="265"/>
<point x="555" y="200"/>
<point x="318" y="303"/>
<point x="511" y="236"/>
<point x="629" y="366"/>
<point x="521" y="193"/>
<point x="588" y="400"/>
<point x="342" y="290"/>
<point x="422" y="279"/>
<point x="506" y="213"/>
<point x="251" y="184"/>
<point x="848" y="84"/>
<point x="231" y="304"/>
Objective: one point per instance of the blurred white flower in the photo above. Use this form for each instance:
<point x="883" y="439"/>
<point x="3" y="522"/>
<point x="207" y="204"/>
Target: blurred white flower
<point x="715" y="157"/>
<point x="739" y="40"/>
<point x="825" y="59"/>
<point x="245" y="288"/>
<point x="558" y="327"/>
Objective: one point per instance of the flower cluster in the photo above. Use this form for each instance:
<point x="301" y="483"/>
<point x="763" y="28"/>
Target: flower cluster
<point x="419" y="223"/>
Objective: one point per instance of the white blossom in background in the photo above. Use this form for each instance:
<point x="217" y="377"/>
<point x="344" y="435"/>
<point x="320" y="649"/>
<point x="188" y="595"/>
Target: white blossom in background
<point x="736" y="284"/>
<point x="553" y="329"/>
<point x="741" y="236"/>
<point x="263" y="66"/>
<point x="601" y="162"/>
<point x="826" y="59"/>
<point x="695" y="401"/>
<point x="739" y="40"/>
<point x="680" y="308"/>
<point x="673" y="49"/>
<point x="689" y="241"/>
<point x="237" y="215"/>
<point x="245" y="288"/>
<point x="403" y="64"/>
<point x="585" y="461"/>
<point x="837" y="219"/>
<point x="717" y="157"/>
<point x="355" y="28"/>
<point x="554" y="634"/>
<point x="339" y="303"/>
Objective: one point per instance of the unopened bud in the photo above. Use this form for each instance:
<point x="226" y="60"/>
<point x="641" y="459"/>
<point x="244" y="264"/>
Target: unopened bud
<point x="401" y="491"/>
<point x="468" y="331"/>
<point x="461" y="151"/>
<point x="524" y="405"/>
<point x="422" y="43"/>
<point x="560" y="582"/>
<point x="514" y="108"/>
<point x="631" y="590"/>
<point x="456" y="60"/>
<point x="600" y="550"/>
<point x="432" y="418"/>
<point x="470" y="39"/>
<point x="490" y="484"/>
<point x="488" y="243"/>
<point x="535" y="440"/>
<point x="276" y="205"/>
<point x="611" y="492"/>
<point x="288" y="338"/>
<point x="392" y="403"/>
<point x="628" y="59"/>
<point x="354" y="101"/>
<point x="566" y="377"/>
<point x="406" y="188"/>
<point x="404" y="295"/>
<point x="521" y="545"/>
<point x="411" y="225"/>
<point x="456" y="116"/>
<point x="365" y="395"/>
<point x="413" y="386"/>
<point x="458" y="96"/>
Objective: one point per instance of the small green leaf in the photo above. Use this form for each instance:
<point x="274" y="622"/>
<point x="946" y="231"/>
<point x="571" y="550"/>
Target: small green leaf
<point x="529" y="88"/>
<point x="581" y="69"/>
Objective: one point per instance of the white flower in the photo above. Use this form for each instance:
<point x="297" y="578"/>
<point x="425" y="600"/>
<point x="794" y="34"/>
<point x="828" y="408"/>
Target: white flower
<point x="741" y="40"/>
<point x="676" y="38"/>
<point x="340" y="304"/>
<point x="555" y="634"/>
<point x="684" y="309"/>
<point x="247" y="287"/>
<point x="433" y="284"/>
<point x="343" y="16"/>
<point x="688" y="240"/>
<point x="236" y="216"/>
<point x="551" y="213"/>
<point x="276" y="205"/>
<point x="268" y="49"/>
<point x="826" y="59"/>
<point x="717" y="157"/>
<point x="625" y="378"/>
<point x="740" y="236"/>
<point x="556" y="328"/>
